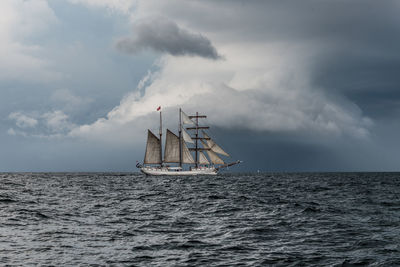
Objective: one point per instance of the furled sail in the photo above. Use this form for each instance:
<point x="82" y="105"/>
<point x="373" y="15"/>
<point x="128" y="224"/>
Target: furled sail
<point x="213" y="146"/>
<point x="186" y="155"/>
<point x="153" y="148"/>
<point x="203" y="159"/>
<point x="212" y="155"/>
<point x="187" y="137"/>
<point x="186" y="119"/>
<point x="171" y="154"/>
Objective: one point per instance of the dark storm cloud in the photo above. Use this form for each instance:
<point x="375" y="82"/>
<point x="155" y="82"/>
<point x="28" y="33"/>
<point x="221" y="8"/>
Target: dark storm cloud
<point x="291" y="152"/>
<point x="278" y="20"/>
<point x="167" y="37"/>
<point x="353" y="47"/>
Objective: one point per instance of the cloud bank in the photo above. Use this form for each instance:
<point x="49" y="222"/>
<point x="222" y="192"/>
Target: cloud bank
<point x="306" y="71"/>
<point x="265" y="82"/>
<point x="261" y="98"/>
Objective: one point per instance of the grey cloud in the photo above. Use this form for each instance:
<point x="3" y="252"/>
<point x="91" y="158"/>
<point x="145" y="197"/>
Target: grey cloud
<point x="70" y="101"/>
<point x="50" y="124"/>
<point x="351" y="47"/>
<point x="22" y="120"/>
<point x="165" y="36"/>
<point x="350" y="50"/>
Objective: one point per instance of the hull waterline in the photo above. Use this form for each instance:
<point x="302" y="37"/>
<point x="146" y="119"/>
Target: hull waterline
<point x="165" y="171"/>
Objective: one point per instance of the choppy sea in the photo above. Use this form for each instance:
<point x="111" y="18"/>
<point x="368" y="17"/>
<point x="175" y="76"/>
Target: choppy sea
<point x="125" y="219"/>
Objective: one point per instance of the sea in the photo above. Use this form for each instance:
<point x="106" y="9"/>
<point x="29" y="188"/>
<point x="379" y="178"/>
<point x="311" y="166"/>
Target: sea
<point x="253" y="219"/>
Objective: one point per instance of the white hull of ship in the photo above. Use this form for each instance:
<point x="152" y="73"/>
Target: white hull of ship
<point x="174" y="172"/>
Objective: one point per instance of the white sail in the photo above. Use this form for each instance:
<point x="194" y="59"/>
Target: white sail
<point x="187" y="137"/>
<point x="214" y="147"/>
<point x="203" y="159"/>
<point x="186" y="119"/>
<point x="171" y="154"/>
<point x="212" y="155"/>
<point x="153" y="148"/>
<point x="186" y="155"/>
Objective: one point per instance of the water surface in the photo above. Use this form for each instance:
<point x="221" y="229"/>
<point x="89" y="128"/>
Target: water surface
<point x="321" y="219"/>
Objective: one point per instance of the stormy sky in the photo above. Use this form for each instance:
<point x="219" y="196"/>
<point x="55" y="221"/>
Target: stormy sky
<point x="287" y="85"/>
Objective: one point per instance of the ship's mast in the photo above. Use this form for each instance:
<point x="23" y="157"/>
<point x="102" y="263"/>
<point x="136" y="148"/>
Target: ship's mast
<point x="180" y="137"/>
<point x="197" y="140"/>
<point x="160" y="132"/>
<point x="197" y="127"/>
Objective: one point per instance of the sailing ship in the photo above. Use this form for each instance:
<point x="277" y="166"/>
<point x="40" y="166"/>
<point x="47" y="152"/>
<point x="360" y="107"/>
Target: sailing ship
<point x="180" y="149"/>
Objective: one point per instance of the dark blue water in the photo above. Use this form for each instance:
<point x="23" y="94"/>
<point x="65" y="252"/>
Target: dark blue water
<point x="321" y="219"/>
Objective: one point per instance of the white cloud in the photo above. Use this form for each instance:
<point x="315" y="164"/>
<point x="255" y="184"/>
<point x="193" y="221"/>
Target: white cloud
<point x="20" y="20"/>
<point x="269" y="93"/>
<point x="11" y="131"/>
<point x="22" y="120"/>
<point x="47" y="125"/>
<point x="115" y="5"/>
<point x="57" y="121"/>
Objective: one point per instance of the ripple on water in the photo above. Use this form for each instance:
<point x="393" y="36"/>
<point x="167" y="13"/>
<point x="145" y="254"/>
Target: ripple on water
<point x="335" y="219"/>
